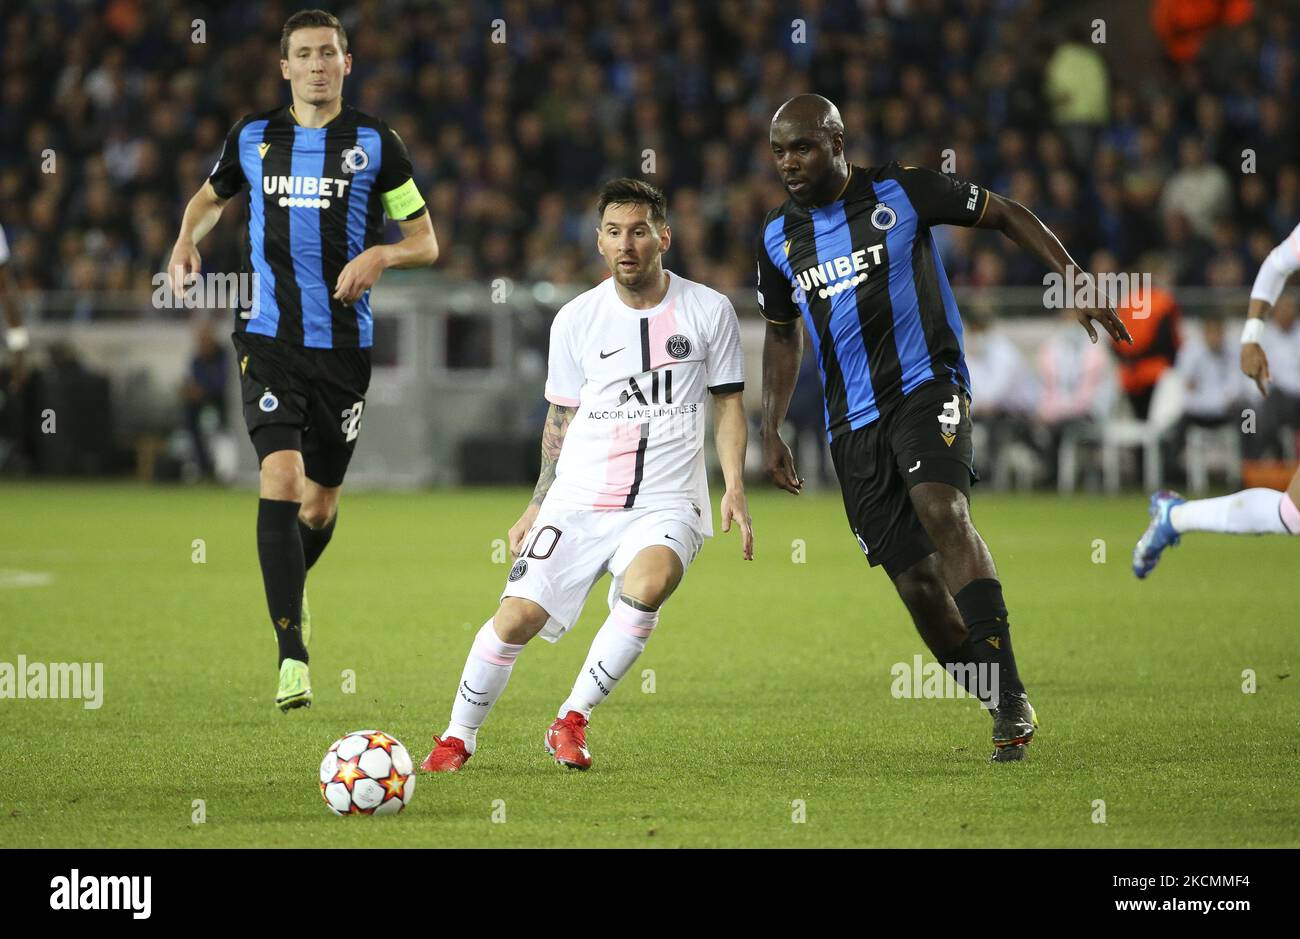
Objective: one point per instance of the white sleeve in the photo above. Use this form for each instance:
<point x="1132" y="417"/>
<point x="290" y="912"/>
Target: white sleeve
<point x="1281" y="263"/>
<point x="4" y="247"/>
<point x="563" y="374"/>
<point x="725" y="360"/>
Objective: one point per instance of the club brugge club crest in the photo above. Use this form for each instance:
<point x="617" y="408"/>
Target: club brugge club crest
<point x="355" y="159"/>
<point x="883" y="217"/>
<point x="519" y="570"/>
<point x="268" y="402"/>
<point x="678" y="346"/>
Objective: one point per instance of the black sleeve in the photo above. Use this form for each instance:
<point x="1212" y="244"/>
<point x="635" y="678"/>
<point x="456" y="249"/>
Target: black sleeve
<point x="227" y="177"/>
<point x="774" y="290"/>
<point x="395" y="172"/>
<point x="939" y="199"/>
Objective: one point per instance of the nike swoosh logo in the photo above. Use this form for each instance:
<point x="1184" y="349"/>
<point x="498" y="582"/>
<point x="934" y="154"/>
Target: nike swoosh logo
<point x="671" y="538"/>
<point x="605" y="355"/>
<point x="916" y="467"/>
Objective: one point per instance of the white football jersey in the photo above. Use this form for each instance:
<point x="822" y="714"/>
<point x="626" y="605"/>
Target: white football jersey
<point x="640" y="381"/>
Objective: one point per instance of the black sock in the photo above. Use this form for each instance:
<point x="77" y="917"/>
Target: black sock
<point x="314" y="540"/>
<point x="956" y="662"/>
<point x="279" y="548"/>
<point x="985" y="615"/>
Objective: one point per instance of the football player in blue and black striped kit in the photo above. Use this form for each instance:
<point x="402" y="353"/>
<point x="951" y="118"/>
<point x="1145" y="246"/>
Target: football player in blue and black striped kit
<point x="321" y="176"/>
<point x="850" y="254"/>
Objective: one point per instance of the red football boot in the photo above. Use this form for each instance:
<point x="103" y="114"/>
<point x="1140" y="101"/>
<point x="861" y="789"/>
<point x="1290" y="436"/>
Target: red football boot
<point x="447" y="756"/>
<point x="566" y="740"/>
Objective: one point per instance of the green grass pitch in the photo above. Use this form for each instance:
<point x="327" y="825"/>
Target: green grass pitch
<point x="771" y="685"/>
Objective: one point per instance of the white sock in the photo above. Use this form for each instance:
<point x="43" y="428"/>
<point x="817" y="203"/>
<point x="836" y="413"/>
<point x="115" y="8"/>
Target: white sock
<point x="621" y="639"/>
<point x="486" y="672"/>
<point x="1252" y="511"/>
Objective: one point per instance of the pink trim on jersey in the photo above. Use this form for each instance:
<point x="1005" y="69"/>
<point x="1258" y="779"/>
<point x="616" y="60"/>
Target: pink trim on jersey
<point x="632" y="621"/>
<point x="620" y="467"/>
<point x="562" y="402"/>
<point x="1290" y="514"/>
<point x="489" y="647"/>
<point x="662" y="325"/>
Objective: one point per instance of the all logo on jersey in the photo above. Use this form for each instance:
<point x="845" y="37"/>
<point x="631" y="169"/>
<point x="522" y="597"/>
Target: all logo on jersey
<point x="261" y="150"/>
<point x="678" y="346"/>
<point x="883" y="217"/>
<point x="268" y="402"/>
<point x="355" y="159"/>
<point x="633" y="389"/>
<point x="949" y="418"/>
<point x="519" y="570"/>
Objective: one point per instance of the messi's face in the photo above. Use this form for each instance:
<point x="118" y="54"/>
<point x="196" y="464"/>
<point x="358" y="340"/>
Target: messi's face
<point x="805" y="160"/>
<point x="316" y="65"/>
<point x="631" y="243"/>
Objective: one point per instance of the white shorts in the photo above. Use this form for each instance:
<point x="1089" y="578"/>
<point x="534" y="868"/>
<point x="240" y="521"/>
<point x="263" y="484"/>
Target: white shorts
<point x="567" y="550"/>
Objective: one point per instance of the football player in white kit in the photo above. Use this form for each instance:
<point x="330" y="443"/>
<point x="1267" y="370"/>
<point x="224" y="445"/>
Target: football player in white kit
<point x="633" y="364"/>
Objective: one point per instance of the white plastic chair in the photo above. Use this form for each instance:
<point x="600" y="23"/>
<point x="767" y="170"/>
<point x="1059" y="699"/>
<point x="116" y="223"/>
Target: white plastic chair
<point x="1124" y="433"/>
<point x="1213" y="448"/>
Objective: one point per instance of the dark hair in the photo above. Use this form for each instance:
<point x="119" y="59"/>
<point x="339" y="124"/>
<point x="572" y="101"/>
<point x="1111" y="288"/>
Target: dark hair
<point x="310" y="19"/>
<point x="636" y="192"/>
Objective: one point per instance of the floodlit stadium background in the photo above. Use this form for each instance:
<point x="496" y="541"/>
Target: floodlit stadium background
<point x="1153" y="138"/>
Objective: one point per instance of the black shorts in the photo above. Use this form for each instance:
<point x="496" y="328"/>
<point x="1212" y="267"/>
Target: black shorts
<point x="310" y="400"/>
<point x="924" y="439"/>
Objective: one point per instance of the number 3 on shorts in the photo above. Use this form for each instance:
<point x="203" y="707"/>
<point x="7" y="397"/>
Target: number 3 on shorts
<point x="352" y="421"/>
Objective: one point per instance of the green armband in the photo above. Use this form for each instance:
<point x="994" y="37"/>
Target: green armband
<point x="403" y="201"/>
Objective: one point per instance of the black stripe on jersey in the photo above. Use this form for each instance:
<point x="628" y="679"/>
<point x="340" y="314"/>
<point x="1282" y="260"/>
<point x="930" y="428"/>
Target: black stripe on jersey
<point x="940" y="340"/>
<point x="334" y="242"/>
<point x="885" y="370"/>
<point x="837" y="398"/>
<point x="728" y="388"/>
<point x="278" y="161"/>
<point x="640" y="461"/>
<point x="645" y="344"/>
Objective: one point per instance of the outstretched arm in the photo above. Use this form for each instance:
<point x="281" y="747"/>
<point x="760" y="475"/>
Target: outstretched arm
<point x="1023" y="227"/>
<point x="730" y="435"/>
<point x="201" y="214"/>
<point x="782" y="350"/>
<point x="1281" y="263"/>
<point x="558" y="419"/>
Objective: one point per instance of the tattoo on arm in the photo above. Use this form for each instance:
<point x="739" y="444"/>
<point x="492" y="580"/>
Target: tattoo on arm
<point x="558" y="419"/>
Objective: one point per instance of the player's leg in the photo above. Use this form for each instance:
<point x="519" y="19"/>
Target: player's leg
<point x="930" y="438"/>
<point x="483" y="680"/>
<point x="341" y="378"/>
<point x="316" y="521"/>
<point x="272" y="386"/>
<point x="655" y="548"/>
<point x="559" y="561"/>
<point x="1249" y="512"/>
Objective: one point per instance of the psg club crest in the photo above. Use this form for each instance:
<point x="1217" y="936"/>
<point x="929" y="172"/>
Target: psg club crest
<point x="678" y="346"/>
<point x="355" y="159"/>
<point x="883" y="217"/>
<point x="519" y="570"/>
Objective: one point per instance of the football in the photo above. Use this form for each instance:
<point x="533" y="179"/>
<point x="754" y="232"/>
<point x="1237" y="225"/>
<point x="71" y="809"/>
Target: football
<point x="366" y="772"/>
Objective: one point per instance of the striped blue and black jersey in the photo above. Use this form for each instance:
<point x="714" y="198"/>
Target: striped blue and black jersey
<point x="865" y="275"/>
<point x="317" y="199"/>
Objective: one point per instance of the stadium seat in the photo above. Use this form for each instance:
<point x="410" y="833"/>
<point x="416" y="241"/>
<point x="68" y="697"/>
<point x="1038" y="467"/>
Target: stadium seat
<point x="1120" y="434"/>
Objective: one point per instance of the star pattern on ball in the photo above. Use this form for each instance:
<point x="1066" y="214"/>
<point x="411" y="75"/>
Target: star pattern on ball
<point x="381" y="740"/>
<point x="394" y="785"/>
<point x="349" y="772"/>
